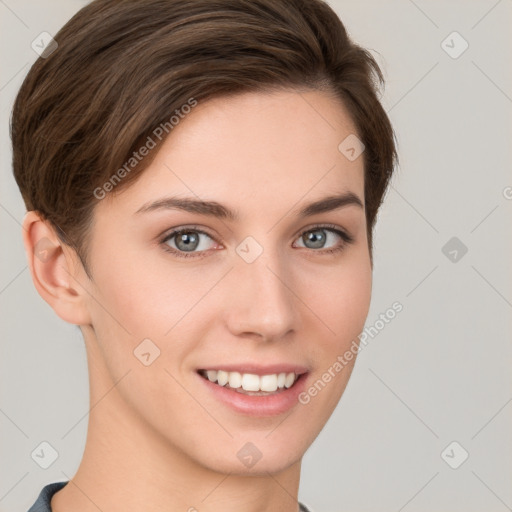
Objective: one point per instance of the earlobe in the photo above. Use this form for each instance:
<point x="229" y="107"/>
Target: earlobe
<point x="55" y="270"/>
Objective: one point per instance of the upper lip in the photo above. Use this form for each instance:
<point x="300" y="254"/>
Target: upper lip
<point x="256" y="369"/>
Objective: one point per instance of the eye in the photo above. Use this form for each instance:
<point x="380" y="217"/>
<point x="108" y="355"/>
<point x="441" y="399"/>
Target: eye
<point x="320" y="236"/>
<point x="186" y="240"/>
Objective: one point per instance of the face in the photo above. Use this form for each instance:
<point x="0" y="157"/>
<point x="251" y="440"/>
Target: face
<point x="254" y="286"/>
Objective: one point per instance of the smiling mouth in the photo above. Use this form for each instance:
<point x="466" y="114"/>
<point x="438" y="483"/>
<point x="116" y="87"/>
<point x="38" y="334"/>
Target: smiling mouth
<point x="252" y="384"/>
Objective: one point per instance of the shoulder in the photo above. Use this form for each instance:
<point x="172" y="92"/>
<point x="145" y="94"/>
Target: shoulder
<point x="43" y="501"/>
<point x="302" y="508"/>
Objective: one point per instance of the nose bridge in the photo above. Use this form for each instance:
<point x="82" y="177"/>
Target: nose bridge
<point x="261" y="301"/>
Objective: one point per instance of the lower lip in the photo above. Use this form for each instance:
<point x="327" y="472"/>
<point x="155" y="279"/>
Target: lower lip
<point x="252" y="405"/>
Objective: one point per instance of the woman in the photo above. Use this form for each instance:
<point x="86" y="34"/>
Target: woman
<point x="202" y="179"/>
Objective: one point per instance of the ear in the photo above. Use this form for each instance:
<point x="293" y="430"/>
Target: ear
<point x="56" y="270"/>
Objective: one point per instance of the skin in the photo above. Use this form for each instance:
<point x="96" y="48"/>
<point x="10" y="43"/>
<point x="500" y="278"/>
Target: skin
<point x="156" y="440"/>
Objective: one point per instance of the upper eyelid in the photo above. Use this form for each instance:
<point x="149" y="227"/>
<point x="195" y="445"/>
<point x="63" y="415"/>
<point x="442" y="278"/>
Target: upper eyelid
<point x="175" y="231"/>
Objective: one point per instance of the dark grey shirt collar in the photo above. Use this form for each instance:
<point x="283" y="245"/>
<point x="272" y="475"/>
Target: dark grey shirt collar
<point x="42" y="503"/>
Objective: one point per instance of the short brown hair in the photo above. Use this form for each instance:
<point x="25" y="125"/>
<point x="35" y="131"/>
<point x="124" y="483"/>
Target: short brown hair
<point x="122" y="67"/>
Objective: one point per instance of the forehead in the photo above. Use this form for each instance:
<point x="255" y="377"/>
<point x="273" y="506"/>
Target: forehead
<point x="254" y="150"/>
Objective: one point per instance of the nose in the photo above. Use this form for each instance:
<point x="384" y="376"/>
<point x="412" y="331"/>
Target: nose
<point x="260" y="301"/>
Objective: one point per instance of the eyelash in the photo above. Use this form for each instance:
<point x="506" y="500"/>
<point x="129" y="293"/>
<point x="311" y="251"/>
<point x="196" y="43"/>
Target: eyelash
<point x="347" y="240"/>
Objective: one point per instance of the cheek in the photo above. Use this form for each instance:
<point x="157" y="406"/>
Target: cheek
<point x="342" y="306"/>
<point x="341" y="296"/>
<point x="350" y="304"/>
<point x="137" y="300"/>
<point x="147" y="296"/>
<point x="134" y="314"/>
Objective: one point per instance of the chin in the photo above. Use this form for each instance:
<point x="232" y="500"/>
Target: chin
<point x="256" y="457"/>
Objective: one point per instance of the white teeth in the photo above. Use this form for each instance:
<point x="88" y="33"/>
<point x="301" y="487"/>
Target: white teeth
<point x="250" y="381"/>
<point x="269" y="382"/>
<point x="290" y="379"/>
<point x="222" y="378"/>
<point x="212" y="375"/>
<point x="235" y="379"/>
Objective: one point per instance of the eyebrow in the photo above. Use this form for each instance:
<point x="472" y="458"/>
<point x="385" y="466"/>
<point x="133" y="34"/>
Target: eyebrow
<point x="215" y="209"/>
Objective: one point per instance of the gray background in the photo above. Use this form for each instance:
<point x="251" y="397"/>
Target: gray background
<point x="439" y="372"/>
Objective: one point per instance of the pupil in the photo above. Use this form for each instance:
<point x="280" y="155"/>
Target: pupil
<point x="317" y="237"/>
<point x="189" y="240"/>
